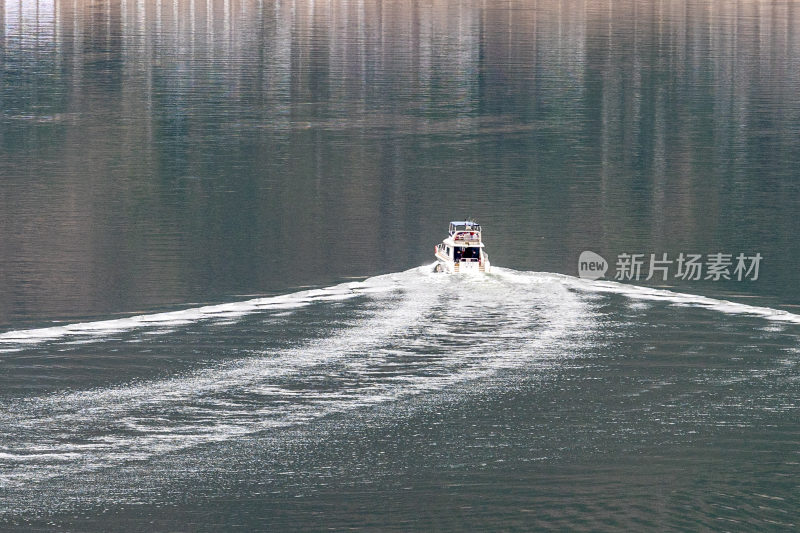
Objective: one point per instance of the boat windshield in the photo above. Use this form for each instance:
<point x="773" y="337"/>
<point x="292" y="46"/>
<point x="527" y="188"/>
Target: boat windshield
<point x="464" y="226"/>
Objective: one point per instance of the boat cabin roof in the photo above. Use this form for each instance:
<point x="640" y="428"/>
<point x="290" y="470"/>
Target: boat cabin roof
<point x="464" y="225"/>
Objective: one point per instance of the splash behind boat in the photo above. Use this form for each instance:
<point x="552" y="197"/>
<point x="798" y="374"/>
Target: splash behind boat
<point x="462" y="250"/>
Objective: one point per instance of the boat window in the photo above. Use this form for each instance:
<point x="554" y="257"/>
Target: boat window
<point x="472" y="253"/>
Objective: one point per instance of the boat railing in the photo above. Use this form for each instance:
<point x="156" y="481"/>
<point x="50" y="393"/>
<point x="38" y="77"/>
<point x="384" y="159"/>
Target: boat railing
<point x="473" y="237"/>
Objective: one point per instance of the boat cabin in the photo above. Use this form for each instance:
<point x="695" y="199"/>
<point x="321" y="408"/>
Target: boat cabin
<point x="465" y="232"/>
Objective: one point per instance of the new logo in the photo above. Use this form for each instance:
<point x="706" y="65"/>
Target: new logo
<point x="591" y="265"/>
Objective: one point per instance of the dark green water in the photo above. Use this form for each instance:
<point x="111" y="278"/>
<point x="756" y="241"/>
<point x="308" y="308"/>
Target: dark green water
<point x="172" y="173"/>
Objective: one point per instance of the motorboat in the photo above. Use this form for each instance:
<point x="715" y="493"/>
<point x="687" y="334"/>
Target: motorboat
<point x="462" y="250"/>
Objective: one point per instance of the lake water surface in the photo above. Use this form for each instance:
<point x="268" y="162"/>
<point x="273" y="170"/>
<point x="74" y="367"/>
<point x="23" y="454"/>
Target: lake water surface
<point x="217" y="309"/>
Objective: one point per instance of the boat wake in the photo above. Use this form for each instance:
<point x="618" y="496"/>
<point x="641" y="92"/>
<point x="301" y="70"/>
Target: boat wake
<point x="416" y="333"/>
<point x="408" y="334"/>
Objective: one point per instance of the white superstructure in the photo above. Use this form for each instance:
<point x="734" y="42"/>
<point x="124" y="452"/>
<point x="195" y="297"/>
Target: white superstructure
<point x="462" y="250"/>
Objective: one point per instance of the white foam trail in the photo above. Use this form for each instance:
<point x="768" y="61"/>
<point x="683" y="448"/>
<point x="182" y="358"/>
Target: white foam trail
<point x="681" y="299"/>
<point x="184" y="317"/>
<point x="413" y="343"/>
<point x="421" y="333"/>
<point x="647" y="293"/>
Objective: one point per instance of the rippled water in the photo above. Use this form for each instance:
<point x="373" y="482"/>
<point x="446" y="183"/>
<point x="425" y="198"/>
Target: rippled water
<point x="522" y="397"/>
<point x="212" y="216"/>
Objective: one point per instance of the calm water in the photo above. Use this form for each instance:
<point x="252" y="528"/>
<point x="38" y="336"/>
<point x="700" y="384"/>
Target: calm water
<point x="212" y="220"/>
